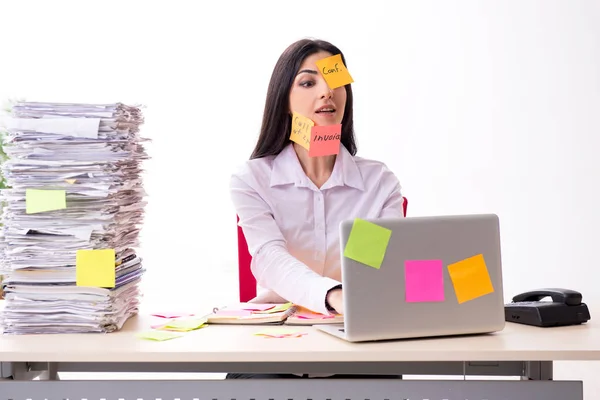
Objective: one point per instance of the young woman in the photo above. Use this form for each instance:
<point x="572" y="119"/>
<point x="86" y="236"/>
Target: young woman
<point x="290" y="205"/>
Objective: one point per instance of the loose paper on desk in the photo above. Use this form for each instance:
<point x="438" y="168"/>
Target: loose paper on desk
<point x="470" y="278"/>
<point x="301" y="126"/>
<point x="95" y="268"/>
<point x="367" y="243"/>
<point x="424" y="280"/>
<point x="325" y="140"/>
<point x="334" y="71"/>
<point x="38" y="200"/>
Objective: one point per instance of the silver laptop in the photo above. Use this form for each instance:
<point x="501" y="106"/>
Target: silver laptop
<point x="437" y="276"/>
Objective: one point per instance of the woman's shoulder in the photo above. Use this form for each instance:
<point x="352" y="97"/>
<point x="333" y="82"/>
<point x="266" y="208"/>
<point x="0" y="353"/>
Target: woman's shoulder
<point x="374" y="171"/>
<point x="254" y="168"/>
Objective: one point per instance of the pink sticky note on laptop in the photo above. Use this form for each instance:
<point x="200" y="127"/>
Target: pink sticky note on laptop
<point x="424" y="280"/>
<point x="325" y="140"/>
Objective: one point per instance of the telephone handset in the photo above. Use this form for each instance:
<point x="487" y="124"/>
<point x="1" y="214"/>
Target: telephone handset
<point x="565" y="308"/>
<point x="566" y="296"/>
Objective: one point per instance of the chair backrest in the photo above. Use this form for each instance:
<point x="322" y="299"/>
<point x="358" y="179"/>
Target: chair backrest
<point x="247" y="281"/>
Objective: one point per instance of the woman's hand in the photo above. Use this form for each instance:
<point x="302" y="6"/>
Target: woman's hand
<point x="335" y="298"/>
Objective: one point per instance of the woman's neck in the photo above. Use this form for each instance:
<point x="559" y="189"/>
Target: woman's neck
<point x="318" y="169"/>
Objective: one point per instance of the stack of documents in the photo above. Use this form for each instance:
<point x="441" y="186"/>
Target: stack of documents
<point x="71" y="217"/>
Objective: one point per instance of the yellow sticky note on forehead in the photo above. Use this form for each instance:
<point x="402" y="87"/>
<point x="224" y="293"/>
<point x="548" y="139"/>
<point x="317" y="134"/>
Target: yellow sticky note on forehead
<point x="334" y="71"/>
<point x="301" y="130"/>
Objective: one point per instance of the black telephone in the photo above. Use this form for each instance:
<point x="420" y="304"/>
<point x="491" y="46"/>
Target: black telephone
<point x="565" y="308"/>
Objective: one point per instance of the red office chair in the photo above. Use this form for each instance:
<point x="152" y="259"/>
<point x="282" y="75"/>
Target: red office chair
<point x="247" y="280"/>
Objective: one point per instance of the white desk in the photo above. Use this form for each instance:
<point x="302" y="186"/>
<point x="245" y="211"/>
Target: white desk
<point x="517" y="351"/>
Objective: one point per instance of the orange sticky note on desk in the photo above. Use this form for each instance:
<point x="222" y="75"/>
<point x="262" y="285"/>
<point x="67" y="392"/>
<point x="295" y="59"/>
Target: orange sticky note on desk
<point x="334" y="71"/>
<point x="301" y="127"/>
<point x="325" y="140"/>
<point x="470" y="278"/>
<point x="95" y="268"/>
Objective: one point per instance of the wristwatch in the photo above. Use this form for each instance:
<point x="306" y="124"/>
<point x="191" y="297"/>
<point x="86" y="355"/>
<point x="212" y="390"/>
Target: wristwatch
<point x="327" y="305"/>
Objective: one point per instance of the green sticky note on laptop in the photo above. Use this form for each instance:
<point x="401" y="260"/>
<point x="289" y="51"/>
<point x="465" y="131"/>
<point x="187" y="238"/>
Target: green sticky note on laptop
<point x="367" y="243"/>
<point x="39" y="200"/>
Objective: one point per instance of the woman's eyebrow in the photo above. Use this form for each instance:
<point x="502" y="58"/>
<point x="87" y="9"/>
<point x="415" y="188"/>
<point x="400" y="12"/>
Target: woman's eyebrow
<point x="308" y="71"/>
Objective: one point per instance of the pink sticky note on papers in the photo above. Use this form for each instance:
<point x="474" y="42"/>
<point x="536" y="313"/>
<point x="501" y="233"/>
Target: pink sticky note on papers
<point x="258" y="307"/>
<point x="424" y="280"/>
<point x="325" y="140"/>
<point x="170" y="315"/>
<point x="234" y="313"/>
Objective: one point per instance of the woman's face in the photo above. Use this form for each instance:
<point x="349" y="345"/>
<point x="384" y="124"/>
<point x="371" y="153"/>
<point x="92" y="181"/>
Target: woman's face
<point x="311" y="97"/>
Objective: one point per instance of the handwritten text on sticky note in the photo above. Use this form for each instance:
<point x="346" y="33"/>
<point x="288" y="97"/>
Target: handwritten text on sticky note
<point x="325" y="140"/>
<point x="424" y="280"/>
<point x="367" y="243"/>
<point x="95" y="268"/>
<point x="38" y="200"/>
<point x="301" y="126"/>
<point x="470" y="278"/>
<point x="334" y="71"/>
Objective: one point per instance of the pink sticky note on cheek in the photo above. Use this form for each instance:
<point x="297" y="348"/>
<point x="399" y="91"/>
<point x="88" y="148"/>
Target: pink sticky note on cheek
<point x="325" y="140"/>
<point x="424" y="280"/>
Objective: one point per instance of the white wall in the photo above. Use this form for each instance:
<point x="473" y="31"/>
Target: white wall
<point x="478" y="106"/>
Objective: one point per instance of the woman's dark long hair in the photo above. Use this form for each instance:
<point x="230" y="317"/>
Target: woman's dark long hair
<point x="276" y="123"/>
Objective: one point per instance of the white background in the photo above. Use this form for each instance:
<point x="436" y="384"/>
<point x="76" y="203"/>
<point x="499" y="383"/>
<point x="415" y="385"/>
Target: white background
<point x="477" y="106"/>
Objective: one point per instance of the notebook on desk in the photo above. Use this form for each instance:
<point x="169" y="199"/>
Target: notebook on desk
<point x="269" y="314"/>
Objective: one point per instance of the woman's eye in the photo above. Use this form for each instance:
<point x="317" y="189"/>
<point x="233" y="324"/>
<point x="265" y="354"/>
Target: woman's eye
<point x="307" y="83"/>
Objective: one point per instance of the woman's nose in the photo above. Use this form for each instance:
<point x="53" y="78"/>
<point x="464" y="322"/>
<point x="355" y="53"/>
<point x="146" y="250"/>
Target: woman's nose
<point x="326" y="92"/>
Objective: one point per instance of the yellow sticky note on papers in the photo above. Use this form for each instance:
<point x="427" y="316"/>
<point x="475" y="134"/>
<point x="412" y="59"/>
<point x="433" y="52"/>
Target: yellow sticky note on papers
<point x="184" y="324"/>
<point x="95" y="268"/>
<point x="470" y="278"/>
<point x="301" y="127"/>
<point x="334" y="71"/>
<point x="39" y="200"/>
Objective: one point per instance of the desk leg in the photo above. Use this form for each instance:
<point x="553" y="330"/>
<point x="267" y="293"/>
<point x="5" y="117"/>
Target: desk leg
<point x="23" y="371"/>
<point x="537" y="371"/>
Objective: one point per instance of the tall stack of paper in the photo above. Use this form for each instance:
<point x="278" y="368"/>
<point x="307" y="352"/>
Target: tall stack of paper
<point x="72" y="217"/>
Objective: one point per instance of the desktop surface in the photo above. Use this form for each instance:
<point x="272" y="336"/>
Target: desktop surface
<point x="219" y="343"/>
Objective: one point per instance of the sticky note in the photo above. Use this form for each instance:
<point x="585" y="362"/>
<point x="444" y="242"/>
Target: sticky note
<point x="470" y="278"/>
<point x="184" y="324"/>
<point x="158" y="336"/>
<point x="38" y="200"/>
<point x="334" y="71"/>
<point x="424" y="280"/>
<point x="70" y="181"/>
<point x="171" y="315"/>
<point x="367" y="243"/>
<point x="280" y="333"/>
<point x="301" y="126"/>
<point x="257" y="307"/>
<point x="95" y="268"/>
<point x="233" y="313"/>
<point x="325" y="140"/>
<point x="277" y="308"/>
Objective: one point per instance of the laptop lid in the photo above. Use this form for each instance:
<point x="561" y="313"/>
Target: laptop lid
<point x="436" y="276"/>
